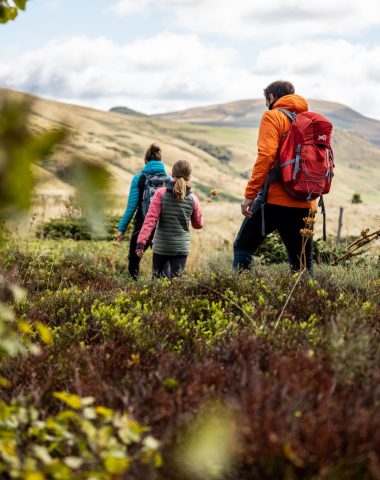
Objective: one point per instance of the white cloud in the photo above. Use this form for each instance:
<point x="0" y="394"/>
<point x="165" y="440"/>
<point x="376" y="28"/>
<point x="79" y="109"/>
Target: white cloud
<point x="274" y="19"/>
<point x="129" y="7"/>
<point x="330" y="70"/>
<point x="52" y="4"/>
<point x="170" y="72"/>
<point x="162" y="72"/>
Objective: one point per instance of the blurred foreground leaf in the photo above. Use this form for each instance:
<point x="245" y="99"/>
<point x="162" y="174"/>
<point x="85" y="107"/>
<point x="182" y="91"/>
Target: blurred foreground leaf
<point x="19" y="148"/>
<point x="9" y="10"/>
<point x="92" y="182"/>
<point x="208" y="449"/>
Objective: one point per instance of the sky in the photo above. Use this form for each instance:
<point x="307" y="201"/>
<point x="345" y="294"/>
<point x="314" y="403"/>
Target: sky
<point x="166" y="55"/>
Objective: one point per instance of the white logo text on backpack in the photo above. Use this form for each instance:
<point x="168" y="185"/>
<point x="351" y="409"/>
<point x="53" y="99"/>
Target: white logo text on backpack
<point x="322" y="137"/>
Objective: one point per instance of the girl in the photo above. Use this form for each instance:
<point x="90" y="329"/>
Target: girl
<point x="172" y="208"/>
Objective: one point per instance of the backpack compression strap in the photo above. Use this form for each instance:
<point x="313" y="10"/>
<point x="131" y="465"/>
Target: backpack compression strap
<point x="288" y="113"/>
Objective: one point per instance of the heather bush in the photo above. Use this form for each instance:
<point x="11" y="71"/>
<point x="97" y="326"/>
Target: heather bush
<point x="300" y="391"/>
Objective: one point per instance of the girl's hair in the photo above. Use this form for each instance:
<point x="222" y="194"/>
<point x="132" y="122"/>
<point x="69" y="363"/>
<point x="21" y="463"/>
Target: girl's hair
<point x="182" y="171"/>
<point x="153" y="153"/>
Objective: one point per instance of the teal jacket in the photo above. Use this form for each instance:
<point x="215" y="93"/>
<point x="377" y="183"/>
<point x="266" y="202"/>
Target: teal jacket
<point x="152" y="168"/>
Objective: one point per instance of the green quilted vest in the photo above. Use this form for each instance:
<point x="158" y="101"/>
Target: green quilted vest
<point x="172" y="235"/>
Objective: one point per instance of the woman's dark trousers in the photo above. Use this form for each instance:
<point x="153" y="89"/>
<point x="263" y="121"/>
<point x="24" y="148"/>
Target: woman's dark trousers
<point x="133" y="259"/>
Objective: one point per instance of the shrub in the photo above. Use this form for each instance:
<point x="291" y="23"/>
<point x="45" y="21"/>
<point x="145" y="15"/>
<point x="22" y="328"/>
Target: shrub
<point x="356" y="198"/>
<point x="75" y="228"/>
<point x="272" y="250"/>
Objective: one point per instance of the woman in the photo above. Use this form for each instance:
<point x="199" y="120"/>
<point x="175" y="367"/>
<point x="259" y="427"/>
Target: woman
<point x="154" y="170"/>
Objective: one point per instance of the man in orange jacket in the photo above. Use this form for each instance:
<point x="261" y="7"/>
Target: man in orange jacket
<point x="272" y="208"/>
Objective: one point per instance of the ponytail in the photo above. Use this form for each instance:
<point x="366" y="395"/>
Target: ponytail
<point x="181" y="171"/>
<point x="180" y="188"/>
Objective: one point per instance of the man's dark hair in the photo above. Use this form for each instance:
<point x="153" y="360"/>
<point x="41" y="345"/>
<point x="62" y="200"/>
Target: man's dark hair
<point x="279" y="89"/>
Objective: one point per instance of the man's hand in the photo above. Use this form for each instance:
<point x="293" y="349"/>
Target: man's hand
<point x="246" y="207"/>
<point x="120" y="236"/>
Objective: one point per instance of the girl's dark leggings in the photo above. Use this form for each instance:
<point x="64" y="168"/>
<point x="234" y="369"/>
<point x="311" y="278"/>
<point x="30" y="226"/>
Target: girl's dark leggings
<point x="168" y="266"/>
<point x="288" y="221"/>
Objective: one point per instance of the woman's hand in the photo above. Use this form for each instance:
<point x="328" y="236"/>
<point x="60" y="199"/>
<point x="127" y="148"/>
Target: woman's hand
<point x="139" y="253"/>
<point x="120" y="236"/>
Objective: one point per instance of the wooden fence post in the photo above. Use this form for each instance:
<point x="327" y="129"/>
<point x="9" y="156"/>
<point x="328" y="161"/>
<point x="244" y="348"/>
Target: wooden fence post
<point x="340" y="224"/>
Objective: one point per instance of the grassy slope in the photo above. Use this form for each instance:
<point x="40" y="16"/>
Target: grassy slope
<point x="119" y="142"/>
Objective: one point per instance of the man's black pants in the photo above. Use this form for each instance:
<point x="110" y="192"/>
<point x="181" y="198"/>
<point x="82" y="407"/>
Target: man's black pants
<point x="288" y="221"/>
<point x="169" y="266"/>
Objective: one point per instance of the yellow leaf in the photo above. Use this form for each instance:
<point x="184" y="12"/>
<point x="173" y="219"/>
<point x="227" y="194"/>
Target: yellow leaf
<point x="4" y="383"/>
<point x="292" y="455"/>
<point x="70" y="399"/>
<point x="34" y="476"/>
<point x="106" y="412"/>
<point x="158" y="462"/>
<point x="45" y="333"/>
<point x="8" y="448"/>
<point x="116" y="465"/>
<point x="24" y="327"/>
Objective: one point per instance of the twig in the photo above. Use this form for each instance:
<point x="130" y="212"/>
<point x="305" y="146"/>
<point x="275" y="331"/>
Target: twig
<point x="289" y="297"/>
<point x="351" y="250"/>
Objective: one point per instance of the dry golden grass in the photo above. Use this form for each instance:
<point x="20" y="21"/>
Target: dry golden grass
<point x="119" y="142"/>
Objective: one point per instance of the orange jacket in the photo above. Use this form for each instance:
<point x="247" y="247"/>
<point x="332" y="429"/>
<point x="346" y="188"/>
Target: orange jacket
<point x="274" y="127"/>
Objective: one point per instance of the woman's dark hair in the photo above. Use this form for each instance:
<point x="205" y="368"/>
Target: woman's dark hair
<point x="279" y="89"/>
<point x="153" y="153"/>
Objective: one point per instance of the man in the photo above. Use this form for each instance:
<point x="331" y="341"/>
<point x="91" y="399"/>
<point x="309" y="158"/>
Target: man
<point x="272" y="208"/>
<point x="153" y="166"/>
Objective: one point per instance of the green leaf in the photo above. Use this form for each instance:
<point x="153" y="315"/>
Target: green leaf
<point x="21" y="4"/>
<point x="92" y="183"/>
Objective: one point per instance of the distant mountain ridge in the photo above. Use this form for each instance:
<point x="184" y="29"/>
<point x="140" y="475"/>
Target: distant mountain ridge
<point x="247" y="113"/>
<point x="127" y="111"/>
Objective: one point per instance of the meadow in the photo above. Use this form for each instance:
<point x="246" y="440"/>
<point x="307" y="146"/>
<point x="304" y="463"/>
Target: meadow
<point x="216" y="375"/>
<point x="196" y="378"/>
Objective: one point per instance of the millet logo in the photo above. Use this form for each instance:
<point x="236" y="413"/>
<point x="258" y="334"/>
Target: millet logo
<point x="322" y="137"/>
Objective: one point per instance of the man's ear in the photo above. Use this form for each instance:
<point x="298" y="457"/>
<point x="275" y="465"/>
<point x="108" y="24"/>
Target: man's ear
<point x="271" y="98"/>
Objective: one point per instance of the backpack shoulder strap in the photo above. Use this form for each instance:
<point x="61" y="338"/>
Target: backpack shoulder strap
<point x="288" y="113"/>
<point x="141" y="186"/>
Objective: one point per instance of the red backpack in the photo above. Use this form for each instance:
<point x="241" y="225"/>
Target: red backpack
<point x="306" y="160"/>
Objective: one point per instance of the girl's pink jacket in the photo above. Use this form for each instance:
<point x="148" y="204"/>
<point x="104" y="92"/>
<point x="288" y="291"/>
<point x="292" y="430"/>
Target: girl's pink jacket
<point x="154" y="213"/>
